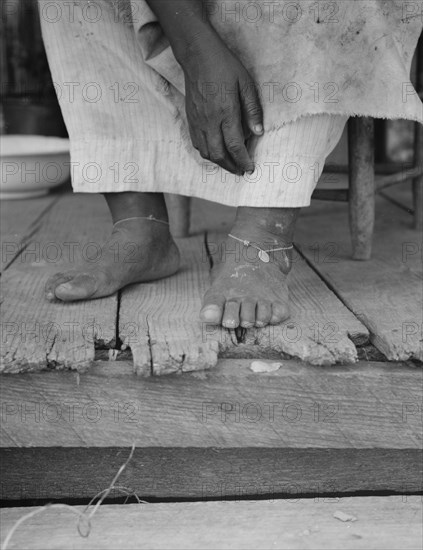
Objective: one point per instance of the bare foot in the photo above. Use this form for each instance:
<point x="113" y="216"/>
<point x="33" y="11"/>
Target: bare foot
<point x="246" y="291"/>
<point x="137" y="251"/>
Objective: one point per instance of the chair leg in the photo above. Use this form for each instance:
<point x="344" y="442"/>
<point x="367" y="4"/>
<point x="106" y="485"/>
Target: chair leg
<point x="381" y="128"/>
<point x="418" y="147"/>
<point x="178" y="207"/>
<point x="361" y="185"/>
<point x="418" y="182"/>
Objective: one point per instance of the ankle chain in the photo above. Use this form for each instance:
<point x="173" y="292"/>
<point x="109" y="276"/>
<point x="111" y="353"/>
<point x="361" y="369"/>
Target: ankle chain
<point x="150" y="218"/>
<point x="263" y="254"/>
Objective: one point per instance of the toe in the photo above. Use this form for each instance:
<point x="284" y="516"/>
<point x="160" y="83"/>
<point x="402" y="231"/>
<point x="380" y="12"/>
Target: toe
<point x="79" y="288"/>
<point x="248" y="313"/>
<point x="263" y="314"/>
<point x="231" y="314"/>
<point x="53" y="282"/>
<point x="280" y="312"/>
<point x="212" y="310"/>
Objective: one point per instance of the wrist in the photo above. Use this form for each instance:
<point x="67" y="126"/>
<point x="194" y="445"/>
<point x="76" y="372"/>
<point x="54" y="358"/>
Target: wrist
<point x="199" y="39"/>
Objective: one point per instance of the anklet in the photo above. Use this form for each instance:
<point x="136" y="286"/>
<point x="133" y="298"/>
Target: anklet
<point x="263" y="254"/>
<point x="151" y="218"/>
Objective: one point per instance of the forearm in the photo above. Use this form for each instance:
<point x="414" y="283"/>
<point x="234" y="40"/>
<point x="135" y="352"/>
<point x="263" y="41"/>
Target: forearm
<point x="184" y="22"/>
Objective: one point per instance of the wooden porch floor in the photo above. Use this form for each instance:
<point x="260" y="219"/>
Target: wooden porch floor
<point x="346" y="429"/>
<point x="343" y="310"/>
<point x="381" y="524"/>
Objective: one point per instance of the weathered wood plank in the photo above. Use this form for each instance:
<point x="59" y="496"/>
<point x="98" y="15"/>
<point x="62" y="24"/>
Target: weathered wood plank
<point x="320" y="331"/>
<point x="18" y="221"/>
<point x="35" y="333"/>
<point x="382" y="523"/>
<point x="160" y="320"/>
<point x="386" y="292"/>
<point x="298" y="430"/>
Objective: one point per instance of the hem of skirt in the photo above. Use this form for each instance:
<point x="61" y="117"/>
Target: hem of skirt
<point x="181" y="181"/>
<point x="413" y="117"/>
<point x="255" y="203"/>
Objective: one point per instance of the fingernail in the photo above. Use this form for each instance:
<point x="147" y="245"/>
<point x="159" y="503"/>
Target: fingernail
<point x="250" y="172"/>
<point x="258" y="128"/>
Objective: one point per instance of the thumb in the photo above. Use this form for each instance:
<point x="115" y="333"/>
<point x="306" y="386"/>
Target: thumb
<point x="251" y="107"/>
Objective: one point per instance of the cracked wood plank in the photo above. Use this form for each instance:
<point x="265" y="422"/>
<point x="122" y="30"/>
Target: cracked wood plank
<point x="160" y="320"/>
<point x="382" y="522"/>
<point x="220" y="433"/>
<point x="386" y="292"/>
<point x="320" y="331"/>
<point x="37" y="334"/>
<point x="19" y="219"/>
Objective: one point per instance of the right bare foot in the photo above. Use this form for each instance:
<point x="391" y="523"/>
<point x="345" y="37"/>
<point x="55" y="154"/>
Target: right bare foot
<point x="247" y="291"/>
<point x="138" y="250"/>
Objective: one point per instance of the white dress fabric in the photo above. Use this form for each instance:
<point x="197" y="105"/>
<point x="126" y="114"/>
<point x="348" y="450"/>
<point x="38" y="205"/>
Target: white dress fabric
<point x="122" y="92"/>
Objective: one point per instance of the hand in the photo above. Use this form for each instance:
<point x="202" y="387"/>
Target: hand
<point x="222" y="105"/>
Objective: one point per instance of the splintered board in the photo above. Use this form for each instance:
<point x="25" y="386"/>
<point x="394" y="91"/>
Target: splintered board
<point x="376" y="523"/>
<point x="160" y="321"/>
<point x="37" y="334"/>
<point x="385" y="292"/>
<point x="337" y="303"/>
<point x="221" y="433"/>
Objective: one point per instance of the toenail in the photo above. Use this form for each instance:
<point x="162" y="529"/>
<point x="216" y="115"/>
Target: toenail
<point x="66" y="286"/>
<point x="211" y="315"/>
<point x="210" y="309"/>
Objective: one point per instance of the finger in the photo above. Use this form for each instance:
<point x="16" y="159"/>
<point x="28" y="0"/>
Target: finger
<point x="204" y="149"/>
<point x="199" y="141"/>
<point x="217" y="151"/>
<point x="234" y="143"/>
<point x="251" y="107"/>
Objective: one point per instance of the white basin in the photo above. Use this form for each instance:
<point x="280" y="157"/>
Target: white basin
<point x="31" y="165"/>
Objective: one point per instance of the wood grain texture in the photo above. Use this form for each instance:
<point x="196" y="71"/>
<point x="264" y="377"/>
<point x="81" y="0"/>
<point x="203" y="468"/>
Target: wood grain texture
<point x="386" y="292"/>
<point x="320" y="330"/>
<point x="382" y="523"/>
<point x="37" y="334"/>
<point x="214" y="434"/>
<point x="160" y="320"/>
<point x="18" y="221"/>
